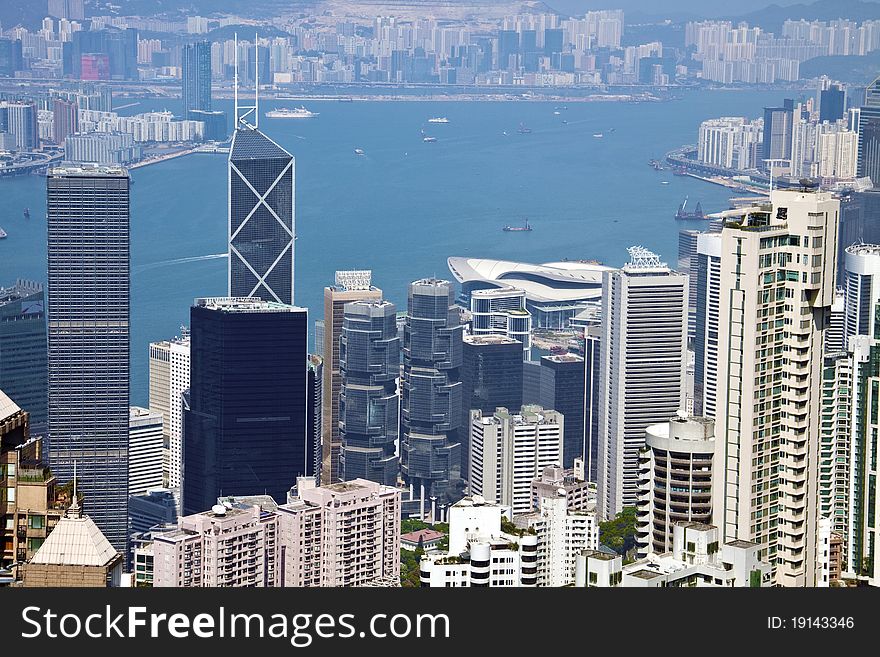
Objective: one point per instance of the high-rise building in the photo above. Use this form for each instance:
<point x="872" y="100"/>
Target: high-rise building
<point x="262" y="226"/>
<point x="10" y="56"/>
<point x="862" y="289"/>
<point x="245" y="430"/>
<point x="778" y="262"/>
<point x="342" y="534"/>
<point x="65" y="119"/>
<point x="169" y="377"/>
<point x="369" y="404"/>
<point x="145" y="447"/>
<point x="777" y="134"/>
<point x="708" y="265"/>
<point x="835" y="340"/>
<point x="676" y="480"/>
<point x="869" y="134"/>
<point x="196" y="64"/>
<point x="157" y="506"/>
<point x="431" y="394"/>
<point x="502" y="311"/>
<point x="687" y="264"/>
<point x="314" y="414"/>
<point x="509" y="449"/>
<point x="644" y="346"/>
<point x="832" y="103"/>
<point x="69" y="9"/>
<point x="23" y="368"/>
<point x="491" y="377"/>
<point x="558" y="382"/>
<point x="592" y="383"/>
<point x="88" y="338"/>
<point x="352" y="285"/>
<point x="21" y="123"/>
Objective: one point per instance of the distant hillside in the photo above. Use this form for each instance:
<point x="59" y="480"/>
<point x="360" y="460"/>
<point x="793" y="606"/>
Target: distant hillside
<point x="20" y="12"/>
<point x="772" y="18"/>
<point x="851" y="69"/>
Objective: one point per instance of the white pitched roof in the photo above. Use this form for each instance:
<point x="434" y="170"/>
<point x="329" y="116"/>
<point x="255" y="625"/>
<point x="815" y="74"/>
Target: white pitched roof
<point x="8" y="407"/>
<point x="75" y="541"/>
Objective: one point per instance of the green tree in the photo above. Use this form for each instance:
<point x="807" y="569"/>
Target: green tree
<point x="619" y="534"/>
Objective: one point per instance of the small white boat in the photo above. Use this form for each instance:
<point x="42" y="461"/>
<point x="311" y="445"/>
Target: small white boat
<point x="2" y="234"/>
<point x="359" y="151"/>
<point x="438" y="119"/>
<point x="664" y="182"/>
<point x="598" y="135"/>
<point x="429" y="139"/>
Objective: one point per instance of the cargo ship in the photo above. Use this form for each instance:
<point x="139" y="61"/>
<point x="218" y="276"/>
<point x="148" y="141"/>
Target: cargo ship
<point x="518" y="229"/>
<point x="697" y="212"/>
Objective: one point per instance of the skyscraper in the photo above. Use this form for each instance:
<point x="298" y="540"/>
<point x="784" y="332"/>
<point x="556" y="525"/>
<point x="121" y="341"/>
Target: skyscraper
<point x="369" y="404"/>
<point x="245" y="431"/>
<point x="644" y="343"/>
<point x="491" y="377"/>
<point x="23" y="365"/>
<point x="144" y="451"/>
<point x="832" y="103"/>
<point x="869" y="134"/>
<point x="353" y="285"/>
<point x="314" y="418"/>
<point x="88" y="338"/>
<point x="262" y="226"/>
<point x="777" y="133"/>
<point x="557" y="382"/>
<point x="708" y="274"/>
<point x="430" y="415"/>
<point x="502" y="311"/>
<point x="196" y="60"/>
<point x="778" y="265"/>
<point x="169" y="378"/>
<point x="862" y="289"/>
<point x="65" y="119"/>
<point x="687" y="264"/>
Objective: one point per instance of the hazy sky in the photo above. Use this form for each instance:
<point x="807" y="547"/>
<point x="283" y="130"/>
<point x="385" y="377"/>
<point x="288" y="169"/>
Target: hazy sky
<point x="660" y="7"/>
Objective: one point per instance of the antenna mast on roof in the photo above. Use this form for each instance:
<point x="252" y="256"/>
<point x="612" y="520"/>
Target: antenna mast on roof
<point x="242" y="112"/>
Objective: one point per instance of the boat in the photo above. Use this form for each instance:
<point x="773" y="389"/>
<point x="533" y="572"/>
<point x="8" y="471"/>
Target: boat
<point x="27" y="213"/>
<point x="697" y="212"/>
<point x="680" y="171"/>
<point x="598" y="135"/>
<point x="359" y="151"/>
<point x="2" y="234"/>
<point x="664" y="182"/>
<point x="518" y="229"/>
<point x="296" y="113"/>
<point x="438" y="119"/>
<point x="346" y="99"/>
<point x="523" y="130"/>
<point x="655" y="164"/>
<point x="556" y="112"/>
<point x="429" y="139"/>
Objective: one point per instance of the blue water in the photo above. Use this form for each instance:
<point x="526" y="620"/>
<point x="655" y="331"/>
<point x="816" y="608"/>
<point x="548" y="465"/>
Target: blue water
<point x="406" y="205"/>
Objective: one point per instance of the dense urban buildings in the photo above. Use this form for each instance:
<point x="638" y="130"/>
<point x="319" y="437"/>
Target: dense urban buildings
<point x="502" y="311"/>
<point x="88" y="338"/>
<point x="431" y="394"/>
<point x="169" y="378"/>
<point x="196" y="71"/>
<point x="245" y="430"/>
<point x="145" y="450"/>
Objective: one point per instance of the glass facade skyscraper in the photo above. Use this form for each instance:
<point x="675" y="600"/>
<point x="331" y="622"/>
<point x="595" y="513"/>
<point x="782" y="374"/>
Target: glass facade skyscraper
<point x="245" y="427"/>
<point x="869" y="134"/>
<point x="430" y="417"/>
<point x="88" y="338"/>
<point x="369" y="363"/>
<point x="261" y="217"/>
<point x="196" y="64"/>
<point x="23" y="368"/>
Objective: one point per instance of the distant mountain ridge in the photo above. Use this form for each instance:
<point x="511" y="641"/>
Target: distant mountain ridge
<point x="771" y="18"/>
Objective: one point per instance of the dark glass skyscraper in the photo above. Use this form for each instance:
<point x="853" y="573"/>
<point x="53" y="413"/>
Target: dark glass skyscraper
<point x="832" y="103"/>
<point x="245" y="431"/>
<point x="777" y="133"/>
<point x="430" y="417"/>
<point x="869" y="134"/>
<point x="196" y="64"/>
<point x="491" y="377"/>
<point x="88" y="338"/>
<point x="315" y="376"/>
<point x="261" y="217"/>
<point x="23" y="369"/>
<point x="369" y="363"/>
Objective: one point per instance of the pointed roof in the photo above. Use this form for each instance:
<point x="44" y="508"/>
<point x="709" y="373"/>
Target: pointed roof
<point x="75" y="541"/>
<point x="8" y="408"/>
<point x="251" y="144"/>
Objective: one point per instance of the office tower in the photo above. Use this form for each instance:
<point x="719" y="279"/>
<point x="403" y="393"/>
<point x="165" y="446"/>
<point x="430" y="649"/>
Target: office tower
<point x="835" y="448"/>
<point x="706" y="325"/>
<point x="157" y="506"/>
<point x="314" y="410"/>
<point x="431" y="394"/>
<point x="836" y="326"/>
<point x="869" y="134"/>
<point x="21" y="119"/>
<point x="231" y="545"/>
<point x="558" y="382"/>
<point x="862" y="289"/>
<point x="508" y="49"/>
<point x="502" y="311"/>
<point x="491" y="377"/>
<point x="369" y="404"/>
<point x="262" y="226"/>
<point x="259" y="57"/>
<point x="88" y="338"/>
<point x="319" y="338"/>
<point x="777" y="285"/>
<point x="65" y="116"/>
<point x="169" y="377"/>
<point x="687" y="264"/>
<point x="245" y="430"/>
<point x="23" y="367"/>
<point x="777" y="134"/>
<point x="353" y="285"/>
<point x="675" y="470"/>
<point x="555" y="481"/>
<point x="69" y="9"/>
<point x="832" y="103"/>
<point x="644" y="344"/>
<point x="216" y="128"/>
<point x="196" y="64"/>
<point x="508" y="450"/>
<point x="343" y="534"/>
<point x="592" y="383"/>
<point x="10" y="56"/>
<point x="145" y="447"/>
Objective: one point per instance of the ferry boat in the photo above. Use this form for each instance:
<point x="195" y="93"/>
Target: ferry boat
<point x="523" y="130"/>
<point x="429" y="139"/>
<point x="438" y="119"/>
<point x="297" y="113"/>
<point x="518" y="229"/>
<point x="359" y="151"/>
<point x="697" y="212"/>
<point x="27" y="213"/>
<point x="2" y="234"/>
<point x="598" y="135"/>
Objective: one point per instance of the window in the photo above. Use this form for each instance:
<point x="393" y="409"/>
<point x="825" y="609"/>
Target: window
<point x="36" y="522"/>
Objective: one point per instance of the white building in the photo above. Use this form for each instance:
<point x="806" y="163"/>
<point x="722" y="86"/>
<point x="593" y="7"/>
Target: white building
<point x="778" y="263"/>
<point x="145" y="450"/>
<point x="169" y="378"/>
<point x="729" y="142"/>
<point x="706" y="323"/>
<point x="862" y="288"/>
<point x="342" y="534"/>
<point x="580" y="494"/>
<point x="644" y="356"/>
<point x="697" y="559"/>
<point x="502" y="311"/>
<point x="507" y="452"/>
